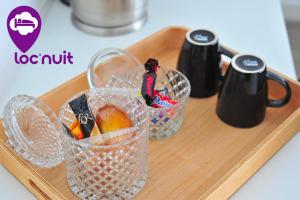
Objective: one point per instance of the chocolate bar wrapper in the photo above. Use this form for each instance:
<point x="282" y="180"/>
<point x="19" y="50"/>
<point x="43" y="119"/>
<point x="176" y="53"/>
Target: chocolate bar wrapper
<point x="149" y="79"/>
<point x="85" y="116"/>
<point x="68" y="131"/>
<point x="164" y="92"/>
<point x="161" y="101"/>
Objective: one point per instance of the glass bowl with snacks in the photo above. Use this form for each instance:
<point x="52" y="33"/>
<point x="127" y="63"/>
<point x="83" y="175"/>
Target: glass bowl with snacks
<point x="164" y="90"/>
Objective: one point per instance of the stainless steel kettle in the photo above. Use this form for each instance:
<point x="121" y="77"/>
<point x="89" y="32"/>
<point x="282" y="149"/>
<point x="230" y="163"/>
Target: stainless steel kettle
<point x="109" y="17"/>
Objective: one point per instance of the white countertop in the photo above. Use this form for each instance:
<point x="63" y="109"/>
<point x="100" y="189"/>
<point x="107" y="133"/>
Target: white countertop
<point x="252" y="26"/>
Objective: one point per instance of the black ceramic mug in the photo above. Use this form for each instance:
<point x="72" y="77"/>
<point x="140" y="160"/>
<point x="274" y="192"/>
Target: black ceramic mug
<point x="199" y="60"/>
<point x="243" y="94"/>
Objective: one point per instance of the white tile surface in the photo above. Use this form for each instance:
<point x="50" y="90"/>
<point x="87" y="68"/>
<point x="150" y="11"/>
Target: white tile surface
<point x="11" y="188"/>
<point x="294" y="35"/>
<point x="278" y="179"/>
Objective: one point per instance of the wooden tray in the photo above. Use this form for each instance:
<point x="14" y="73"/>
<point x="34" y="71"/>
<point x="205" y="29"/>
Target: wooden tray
<point x="206" y="159"/>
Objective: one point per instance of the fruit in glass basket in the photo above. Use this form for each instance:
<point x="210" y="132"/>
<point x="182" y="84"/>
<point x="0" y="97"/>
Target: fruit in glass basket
<point x="111" y="118"/>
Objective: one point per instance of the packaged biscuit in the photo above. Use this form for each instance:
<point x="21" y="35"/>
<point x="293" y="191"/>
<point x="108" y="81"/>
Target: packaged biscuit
<point x="112" y="118"/>
<point x="113" y="137"/>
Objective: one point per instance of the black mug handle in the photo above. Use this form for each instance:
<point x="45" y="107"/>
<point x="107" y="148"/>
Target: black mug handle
<point x="284" y="83"/>
<point x="223" y="50"/>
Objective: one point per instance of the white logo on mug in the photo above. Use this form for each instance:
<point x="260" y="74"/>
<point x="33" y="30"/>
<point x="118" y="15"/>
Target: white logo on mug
<point x="201" y="38"/>
<point x="250" y="63"/>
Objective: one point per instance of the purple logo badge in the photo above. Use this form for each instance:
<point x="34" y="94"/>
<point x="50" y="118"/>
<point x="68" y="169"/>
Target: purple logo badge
<point x="24" y="25"/>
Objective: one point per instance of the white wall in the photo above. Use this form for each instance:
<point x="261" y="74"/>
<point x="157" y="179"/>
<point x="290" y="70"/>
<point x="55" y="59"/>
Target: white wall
<point x="291" y="9"/>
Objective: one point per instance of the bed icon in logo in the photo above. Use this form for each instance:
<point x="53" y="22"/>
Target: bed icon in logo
<point x="24" y="25"/>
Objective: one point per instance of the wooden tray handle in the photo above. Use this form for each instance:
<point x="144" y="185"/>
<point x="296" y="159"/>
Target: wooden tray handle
<point x="37" y="189"/>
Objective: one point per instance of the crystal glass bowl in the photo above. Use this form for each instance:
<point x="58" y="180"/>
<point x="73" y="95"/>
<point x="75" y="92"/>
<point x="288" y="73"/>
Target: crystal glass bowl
<point x="32" y="130"/>
<point x="115" y="68"/>
<point x="117" y="171"/>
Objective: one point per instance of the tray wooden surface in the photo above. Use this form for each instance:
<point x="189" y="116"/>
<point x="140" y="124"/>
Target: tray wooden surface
<point x="206" y="159"/>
